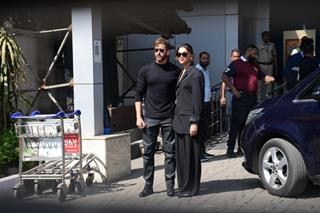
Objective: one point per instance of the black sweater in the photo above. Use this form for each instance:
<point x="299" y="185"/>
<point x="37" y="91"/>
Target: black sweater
<point x="307" y="66"/>
<point x="156" y="85"/>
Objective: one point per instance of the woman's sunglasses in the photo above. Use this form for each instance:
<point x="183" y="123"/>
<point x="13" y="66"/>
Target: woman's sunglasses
<point x="184" y="54"/>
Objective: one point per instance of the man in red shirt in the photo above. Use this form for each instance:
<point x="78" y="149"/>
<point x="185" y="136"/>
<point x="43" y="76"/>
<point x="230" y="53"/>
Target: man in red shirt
<point x="245" y="73"/>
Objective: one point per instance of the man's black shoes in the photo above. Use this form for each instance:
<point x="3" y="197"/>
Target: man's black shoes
<point x="187" y="194"/>
<point x="184" y="194"/>
<point x="239" y="152"/>
<point x="203" y="158"/>
<point x="170" y="190"/>
<point x="231" y="155"/>
<point x="208" y="156"/>
<point x="147" y="190"/>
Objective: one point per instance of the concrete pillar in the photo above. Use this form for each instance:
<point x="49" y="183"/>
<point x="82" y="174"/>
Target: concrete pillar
<point x="232" y="28"/>
<point x="263" y="18"/>
<point x="87" y="68"/>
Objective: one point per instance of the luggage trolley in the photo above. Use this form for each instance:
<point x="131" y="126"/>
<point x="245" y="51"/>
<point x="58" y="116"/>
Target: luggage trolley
<point x="216" y="113"/>
<point x="54" y="140"/>
<point x="219" y="118"/>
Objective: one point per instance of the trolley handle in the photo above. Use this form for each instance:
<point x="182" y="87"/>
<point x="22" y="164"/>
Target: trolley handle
<point x="76" y="112"/>
<point x="37" y="115"/>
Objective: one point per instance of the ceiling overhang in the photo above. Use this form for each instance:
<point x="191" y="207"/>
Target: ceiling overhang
<point x="118" y="17"/>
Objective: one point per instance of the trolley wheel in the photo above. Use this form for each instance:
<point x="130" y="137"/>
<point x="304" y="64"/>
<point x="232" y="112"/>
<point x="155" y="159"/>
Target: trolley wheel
<point x="89" y="179"/>
<point x="37" y="188"/>
<point x="17" y="194"/>
<point x="61" y="195"/>
<point x="71" y="187"/>
<point x="78" y="188"/>
<point x="54" y="186"/>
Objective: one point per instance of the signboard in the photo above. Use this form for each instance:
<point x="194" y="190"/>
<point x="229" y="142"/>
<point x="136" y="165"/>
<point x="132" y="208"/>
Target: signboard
<point x="43" y="148"/>
<point x="71" y="143"/>
<point x="44" y="139"/>
<point x="38" y="148"/>
<point x="97" y="56"/>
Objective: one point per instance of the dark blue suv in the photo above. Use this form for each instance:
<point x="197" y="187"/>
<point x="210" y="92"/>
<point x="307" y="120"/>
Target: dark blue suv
<point x="281" y="139"/>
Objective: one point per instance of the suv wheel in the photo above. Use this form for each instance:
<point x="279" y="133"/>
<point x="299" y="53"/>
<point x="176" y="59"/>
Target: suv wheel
<point x="282" y="169"/>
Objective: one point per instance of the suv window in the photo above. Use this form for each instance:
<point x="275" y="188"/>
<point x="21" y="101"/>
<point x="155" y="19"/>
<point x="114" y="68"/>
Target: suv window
<point x="311" y="91"/>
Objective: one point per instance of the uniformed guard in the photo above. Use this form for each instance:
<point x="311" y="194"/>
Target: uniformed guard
<point x="267" y="59"/>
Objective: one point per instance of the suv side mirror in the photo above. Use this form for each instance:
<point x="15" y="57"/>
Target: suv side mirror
<point x="316" y="93"/>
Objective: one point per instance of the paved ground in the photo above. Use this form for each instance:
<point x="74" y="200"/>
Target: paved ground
<point x="225" y="187"/>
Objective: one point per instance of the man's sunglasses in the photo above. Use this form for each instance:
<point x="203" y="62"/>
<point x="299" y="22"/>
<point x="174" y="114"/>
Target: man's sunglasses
<point x="184" y="54"/>
<point x="159" y="50"/>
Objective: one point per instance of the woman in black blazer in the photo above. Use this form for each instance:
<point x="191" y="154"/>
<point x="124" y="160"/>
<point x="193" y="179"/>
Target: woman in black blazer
<point x="189" y="101"/>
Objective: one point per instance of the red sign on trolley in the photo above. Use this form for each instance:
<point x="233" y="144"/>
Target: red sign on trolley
<point x="71" y="143"/>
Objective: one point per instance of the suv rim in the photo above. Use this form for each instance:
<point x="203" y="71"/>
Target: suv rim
<point x="275" y="168"/>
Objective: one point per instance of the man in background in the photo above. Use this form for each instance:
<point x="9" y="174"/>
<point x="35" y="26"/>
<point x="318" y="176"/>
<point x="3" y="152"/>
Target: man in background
<point x="267" y="60"/>
<point x="294" y="61"/>
<point x="204" y="62"/>
<point x="225" y="92"/>
<point x="245" y="74"/>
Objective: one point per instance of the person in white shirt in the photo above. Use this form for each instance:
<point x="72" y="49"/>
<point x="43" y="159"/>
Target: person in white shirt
<point x="204" y="61"/>
<point x="225" y="92"/>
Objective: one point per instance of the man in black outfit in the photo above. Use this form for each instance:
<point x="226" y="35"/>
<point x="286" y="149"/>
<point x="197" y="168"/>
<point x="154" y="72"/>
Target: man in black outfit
<point x="308" y="63"/>
<point x="156" y="85"/>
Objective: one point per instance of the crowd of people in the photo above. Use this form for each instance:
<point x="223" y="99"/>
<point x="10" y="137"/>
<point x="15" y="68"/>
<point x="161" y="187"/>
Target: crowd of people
<point x="176" y="100"/>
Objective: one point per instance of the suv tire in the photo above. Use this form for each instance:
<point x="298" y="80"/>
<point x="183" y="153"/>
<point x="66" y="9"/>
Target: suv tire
<point x="282" y="169"/>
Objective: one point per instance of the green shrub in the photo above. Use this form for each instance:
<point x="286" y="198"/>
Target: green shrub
<point x="9" y="152"/>
<point x="12" y="77"/>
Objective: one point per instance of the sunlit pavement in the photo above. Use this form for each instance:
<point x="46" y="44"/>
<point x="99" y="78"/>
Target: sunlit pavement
<point x="225" y="187"/>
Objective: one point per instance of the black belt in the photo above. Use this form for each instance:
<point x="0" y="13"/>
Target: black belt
<point x="247" y="93"/>
<point x="207" y="103"/>
<point x="266" y="63"/>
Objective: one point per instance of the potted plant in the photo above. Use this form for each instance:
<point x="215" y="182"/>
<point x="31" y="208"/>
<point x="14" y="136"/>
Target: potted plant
<point x="9" y="154"/>
<point x="12" y="75"/>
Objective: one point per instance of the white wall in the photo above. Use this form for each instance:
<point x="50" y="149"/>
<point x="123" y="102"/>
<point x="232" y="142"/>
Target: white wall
<point x="134" y="60"/>
<point x="254" y="19"/>
<point x="206" y="37"/>
<point x="217" y="27"/>
<point x="214" y="29"/>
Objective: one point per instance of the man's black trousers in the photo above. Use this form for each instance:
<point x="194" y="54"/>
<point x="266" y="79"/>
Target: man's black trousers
<point x="150" y="135"/>
<point x="240" y="110"/>
<point x="204" y="125"/>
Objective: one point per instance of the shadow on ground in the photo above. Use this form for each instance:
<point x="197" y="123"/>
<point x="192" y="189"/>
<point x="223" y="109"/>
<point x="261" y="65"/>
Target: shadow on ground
<point x="136" y="173"/>
<point x="222" y="157"/>
<point x="49" y="207"/>
<point x="312" y="191"/>
<point x="219" y="186"/>
<point x="94" y="189"/>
